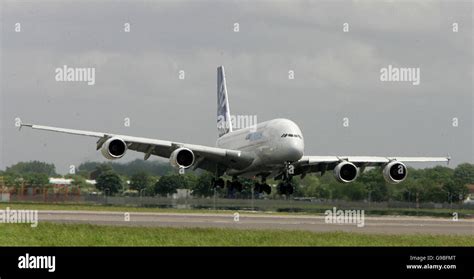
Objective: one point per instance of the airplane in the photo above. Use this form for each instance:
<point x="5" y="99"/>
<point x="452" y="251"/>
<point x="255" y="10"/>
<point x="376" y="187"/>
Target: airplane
<point x="274" y="148"/>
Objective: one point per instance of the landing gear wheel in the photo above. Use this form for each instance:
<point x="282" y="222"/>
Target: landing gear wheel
<point x="281" y="188"/>
<point x="235" y="185"/>
<point x="285" y="188"/>
<point x="267" y="189"/>
<point x="258" y="188"/>
<point x="218" y="183"/>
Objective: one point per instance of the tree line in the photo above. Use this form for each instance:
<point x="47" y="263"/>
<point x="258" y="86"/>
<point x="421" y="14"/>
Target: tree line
<point x="437" y="184"/>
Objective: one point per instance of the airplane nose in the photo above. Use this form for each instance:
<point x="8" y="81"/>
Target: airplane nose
<point x="295" y="150"/>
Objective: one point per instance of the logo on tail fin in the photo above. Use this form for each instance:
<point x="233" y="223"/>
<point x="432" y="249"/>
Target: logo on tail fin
<point x="224" y="124"/>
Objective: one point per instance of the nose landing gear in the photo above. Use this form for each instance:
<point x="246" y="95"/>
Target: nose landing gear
<point x="285" y="187"/>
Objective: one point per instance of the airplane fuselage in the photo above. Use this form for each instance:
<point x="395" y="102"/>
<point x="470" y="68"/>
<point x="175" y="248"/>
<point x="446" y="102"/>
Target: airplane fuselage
<point x="271" y="143"/>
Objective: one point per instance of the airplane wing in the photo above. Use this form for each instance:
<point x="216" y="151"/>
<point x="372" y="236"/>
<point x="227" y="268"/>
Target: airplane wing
<point x="323" y="163"/>
<point x="208" y="158"/>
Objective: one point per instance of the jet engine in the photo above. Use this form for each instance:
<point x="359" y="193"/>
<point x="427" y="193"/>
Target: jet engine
<point x="182" y="158"/>
<point x="346" y="172"/>
<point x="394" y="172"/>
<point x="114" y="148"/>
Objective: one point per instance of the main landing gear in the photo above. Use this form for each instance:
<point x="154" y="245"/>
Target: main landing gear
<point x="235" y="185"/>
<point x="285" y="187"/>
<point x="218" y="183"/>
<point x="232" y="185"/>
<point x="262" y="187"/>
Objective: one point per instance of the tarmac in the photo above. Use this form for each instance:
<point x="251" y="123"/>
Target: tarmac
<point x="245" y="220"/>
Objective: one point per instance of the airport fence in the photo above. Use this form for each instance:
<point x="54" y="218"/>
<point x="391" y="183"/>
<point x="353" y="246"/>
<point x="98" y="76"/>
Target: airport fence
<point x="274" y="205"/>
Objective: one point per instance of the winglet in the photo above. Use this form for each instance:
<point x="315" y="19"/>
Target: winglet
<point x="24" y="124"/>
<point x="448" y="157"/>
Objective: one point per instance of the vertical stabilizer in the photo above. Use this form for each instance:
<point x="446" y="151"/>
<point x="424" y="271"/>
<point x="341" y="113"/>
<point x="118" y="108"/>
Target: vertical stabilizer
<point x="224" y="124"/>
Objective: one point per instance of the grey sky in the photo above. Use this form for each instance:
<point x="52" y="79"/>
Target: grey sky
<point x="336" y="74"/>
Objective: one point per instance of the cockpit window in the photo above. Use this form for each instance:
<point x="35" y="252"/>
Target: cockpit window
<point x="292" y="136"/>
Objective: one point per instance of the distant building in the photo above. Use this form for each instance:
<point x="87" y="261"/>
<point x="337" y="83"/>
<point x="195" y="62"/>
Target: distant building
<point x="182" y="194"/>
<point x="470" y="191"/>
<point x="66" y="181"/>
<point x="63" y="184"/>
<point x="4" y="197"/>
<point x="60" y="181"/>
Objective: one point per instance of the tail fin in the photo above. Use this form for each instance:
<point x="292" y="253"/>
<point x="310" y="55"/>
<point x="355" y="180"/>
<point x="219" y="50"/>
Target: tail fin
<point x="224" y="124"/>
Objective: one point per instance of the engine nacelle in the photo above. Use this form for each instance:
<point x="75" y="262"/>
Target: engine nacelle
<point x="346" y="172"/>
<point x="114" y="148"/>
<point x="394" y="172"/>
<point x="182" y="158"/>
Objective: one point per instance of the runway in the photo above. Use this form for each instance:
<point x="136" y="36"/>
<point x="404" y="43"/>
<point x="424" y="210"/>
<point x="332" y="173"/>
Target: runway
<point x="384" y="224"/>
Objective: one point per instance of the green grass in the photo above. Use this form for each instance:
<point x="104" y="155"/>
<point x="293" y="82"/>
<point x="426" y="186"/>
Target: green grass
<point x="54" y="234"/>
